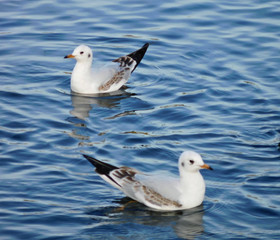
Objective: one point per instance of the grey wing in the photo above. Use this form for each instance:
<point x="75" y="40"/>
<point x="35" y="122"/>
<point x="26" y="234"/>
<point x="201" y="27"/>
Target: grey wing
<point x="146" y="192"/>
<point x="167" y="187"/>
<point x="120" y="74"/>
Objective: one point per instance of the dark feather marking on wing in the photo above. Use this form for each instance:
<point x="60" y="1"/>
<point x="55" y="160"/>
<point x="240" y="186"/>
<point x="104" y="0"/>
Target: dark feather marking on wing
<point x="114" y="80"/>
<point x="157" y="199"/>
<point x="136" y="55"/>
<point x="124" y="61"/>
<point x="151" y="196"/>
<point x="125" y="172"/>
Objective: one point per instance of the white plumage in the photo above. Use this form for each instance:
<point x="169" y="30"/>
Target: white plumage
<point x="108" y="78"/>
<point x="159" y="192"/>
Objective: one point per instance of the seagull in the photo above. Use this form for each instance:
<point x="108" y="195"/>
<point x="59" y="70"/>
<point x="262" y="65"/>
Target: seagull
<point x="161" y="193"/>
<point x="108" y="78"/>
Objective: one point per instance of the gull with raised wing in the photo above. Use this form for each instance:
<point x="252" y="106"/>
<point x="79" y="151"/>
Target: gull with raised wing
<point x="108" y="78"/>
<point x="159" y="192"/>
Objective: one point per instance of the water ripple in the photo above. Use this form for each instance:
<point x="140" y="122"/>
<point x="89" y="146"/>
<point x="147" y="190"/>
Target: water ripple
<point x="209" y="82"/>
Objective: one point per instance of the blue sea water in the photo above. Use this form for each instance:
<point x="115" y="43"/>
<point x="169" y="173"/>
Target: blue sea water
<point x="209" y="82"/>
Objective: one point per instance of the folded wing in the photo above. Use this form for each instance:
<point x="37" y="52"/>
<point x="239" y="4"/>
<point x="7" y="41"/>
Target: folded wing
<point x="138" y="186"/>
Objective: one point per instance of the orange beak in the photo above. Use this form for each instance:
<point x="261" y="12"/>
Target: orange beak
<point x="69" y="56"/>
<point x="205" y="166"/>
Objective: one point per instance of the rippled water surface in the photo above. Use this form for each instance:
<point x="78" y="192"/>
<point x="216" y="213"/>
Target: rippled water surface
<point x="209" y="82"/>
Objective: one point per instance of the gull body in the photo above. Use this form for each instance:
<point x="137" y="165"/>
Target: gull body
<point x="108" y="78"/>
<point x="159" y="192"/>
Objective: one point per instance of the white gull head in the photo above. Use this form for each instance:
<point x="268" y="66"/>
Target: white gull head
<point x="190" y="161"/>
<point x="82" y="53"/>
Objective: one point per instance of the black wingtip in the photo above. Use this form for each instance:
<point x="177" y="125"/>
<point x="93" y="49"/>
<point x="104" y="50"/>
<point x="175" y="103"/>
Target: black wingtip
<point x="90" y="159"/>
<point x="139" y="54"/>
<point x="145" y="46"/>
<point x="100" y="167"/>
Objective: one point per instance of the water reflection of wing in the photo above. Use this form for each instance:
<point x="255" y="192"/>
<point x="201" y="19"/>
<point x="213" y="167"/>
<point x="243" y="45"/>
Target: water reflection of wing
<point x="82" y="104"/>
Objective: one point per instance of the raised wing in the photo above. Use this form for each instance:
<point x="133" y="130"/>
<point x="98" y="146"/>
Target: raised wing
<point x="136" y="55"/>
<point x="118" y="74"/>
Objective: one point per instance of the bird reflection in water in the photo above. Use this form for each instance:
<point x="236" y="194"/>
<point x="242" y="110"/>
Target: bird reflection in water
<point x="186" y="224"/>
<point x="82" y="104"/>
